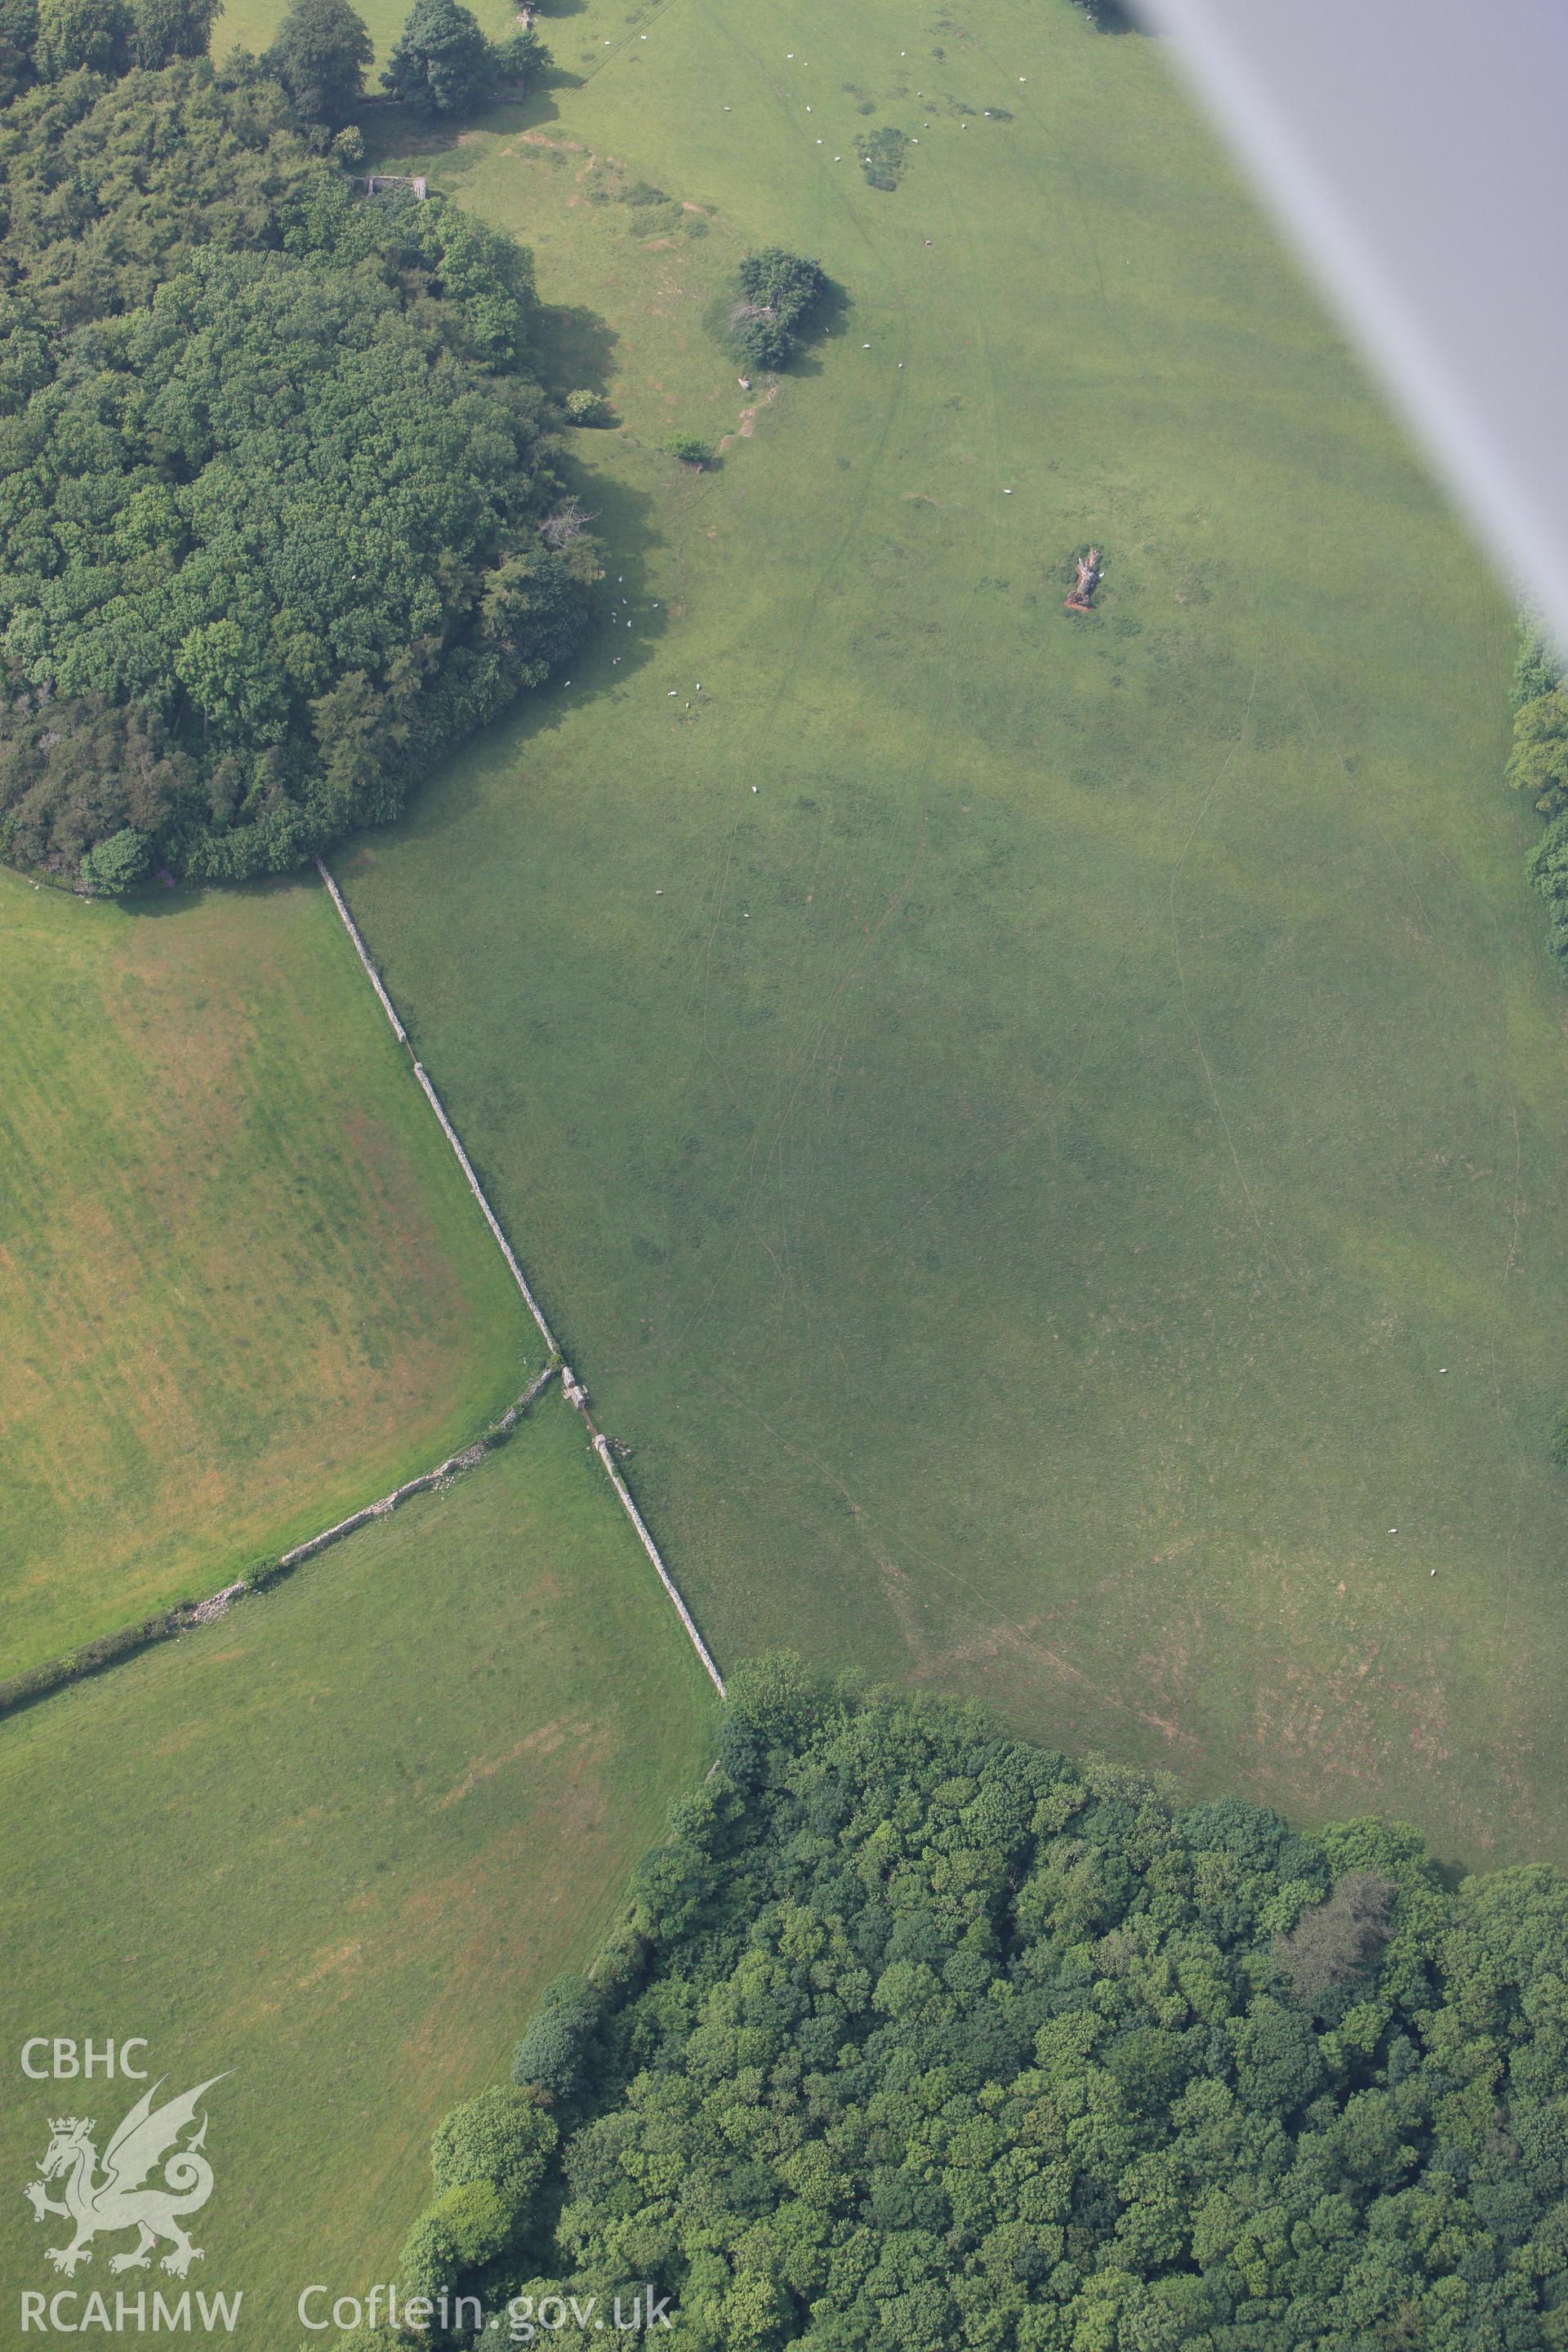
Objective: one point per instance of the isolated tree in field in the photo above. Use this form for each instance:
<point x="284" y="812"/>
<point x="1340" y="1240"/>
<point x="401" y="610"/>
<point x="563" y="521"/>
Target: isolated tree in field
<point x="319" y="57"/>
<point x="442" y="64"/>
<point x="773" y="293"/>
<point x="72" y="34"/>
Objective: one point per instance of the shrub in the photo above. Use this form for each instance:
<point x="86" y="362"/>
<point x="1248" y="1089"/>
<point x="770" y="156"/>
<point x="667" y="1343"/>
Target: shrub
<point x="586" y="408"/>
<point x="691" y="449"/>
<point x="882" y="162"/>
<point x="52" y="1674"/>
<point x="1537" y="765"/>
<point x="656" y="220"/>
<point x="363" y="2339"/>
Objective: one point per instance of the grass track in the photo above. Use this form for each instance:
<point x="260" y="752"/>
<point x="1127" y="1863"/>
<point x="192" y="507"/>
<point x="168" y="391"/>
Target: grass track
<point x="334" y="1844"/>
<point x="1020" y="1183"/>
<point x="243" y="1286"/>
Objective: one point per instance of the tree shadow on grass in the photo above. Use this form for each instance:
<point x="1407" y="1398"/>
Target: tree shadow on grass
<point x="574" y="348"/>
<point x="154" y="898"/>
<point x="623" y="636"/>
<point x="394" y="133"/>
<point x="830" y="315"/>
<point x="1109" y="16"/>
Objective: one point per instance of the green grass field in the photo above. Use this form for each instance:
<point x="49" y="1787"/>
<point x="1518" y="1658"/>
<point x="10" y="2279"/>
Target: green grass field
<point x="331" y="1845"/>
<point x="1023" y="1180"/>
<point x="243" y="1286"/>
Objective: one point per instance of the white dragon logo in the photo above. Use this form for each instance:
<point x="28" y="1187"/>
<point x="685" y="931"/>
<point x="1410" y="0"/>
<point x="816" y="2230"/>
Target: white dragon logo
<point x="120" y="2199"/>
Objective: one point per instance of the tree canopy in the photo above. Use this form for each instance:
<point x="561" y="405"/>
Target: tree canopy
<point x="278" y="518"/>
<point x="1537" y="765"/>
<point x="762" y="319"/>
<point x="319" y="57"/>
<point x="922" y="2037"/>
<point x="46" y="40"/>
<point x="442" y="63"/>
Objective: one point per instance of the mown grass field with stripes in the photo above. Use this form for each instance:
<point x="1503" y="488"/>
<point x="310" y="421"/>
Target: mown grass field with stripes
<point x="244" y="1288"/>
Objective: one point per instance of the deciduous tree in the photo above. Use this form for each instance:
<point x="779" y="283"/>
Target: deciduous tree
<point x="319" y="55"/>
<point x="442" y="63"/>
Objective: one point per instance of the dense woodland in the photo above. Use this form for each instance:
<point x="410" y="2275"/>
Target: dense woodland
<point x="279" y="521"/>
<point x="919" y="2037"/>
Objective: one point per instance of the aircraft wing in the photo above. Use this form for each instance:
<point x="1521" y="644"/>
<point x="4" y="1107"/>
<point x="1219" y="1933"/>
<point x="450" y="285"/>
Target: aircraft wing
<point x="1415" y="152"/>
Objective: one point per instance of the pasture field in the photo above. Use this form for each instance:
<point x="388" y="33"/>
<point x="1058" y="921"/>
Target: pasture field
<point x="333" y="1845"/>
<point x="1058" y="1173"/>
<point x="244" y="1288"/>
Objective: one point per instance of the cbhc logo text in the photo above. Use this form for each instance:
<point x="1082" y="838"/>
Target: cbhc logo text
<point x="63" y="2059"/>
